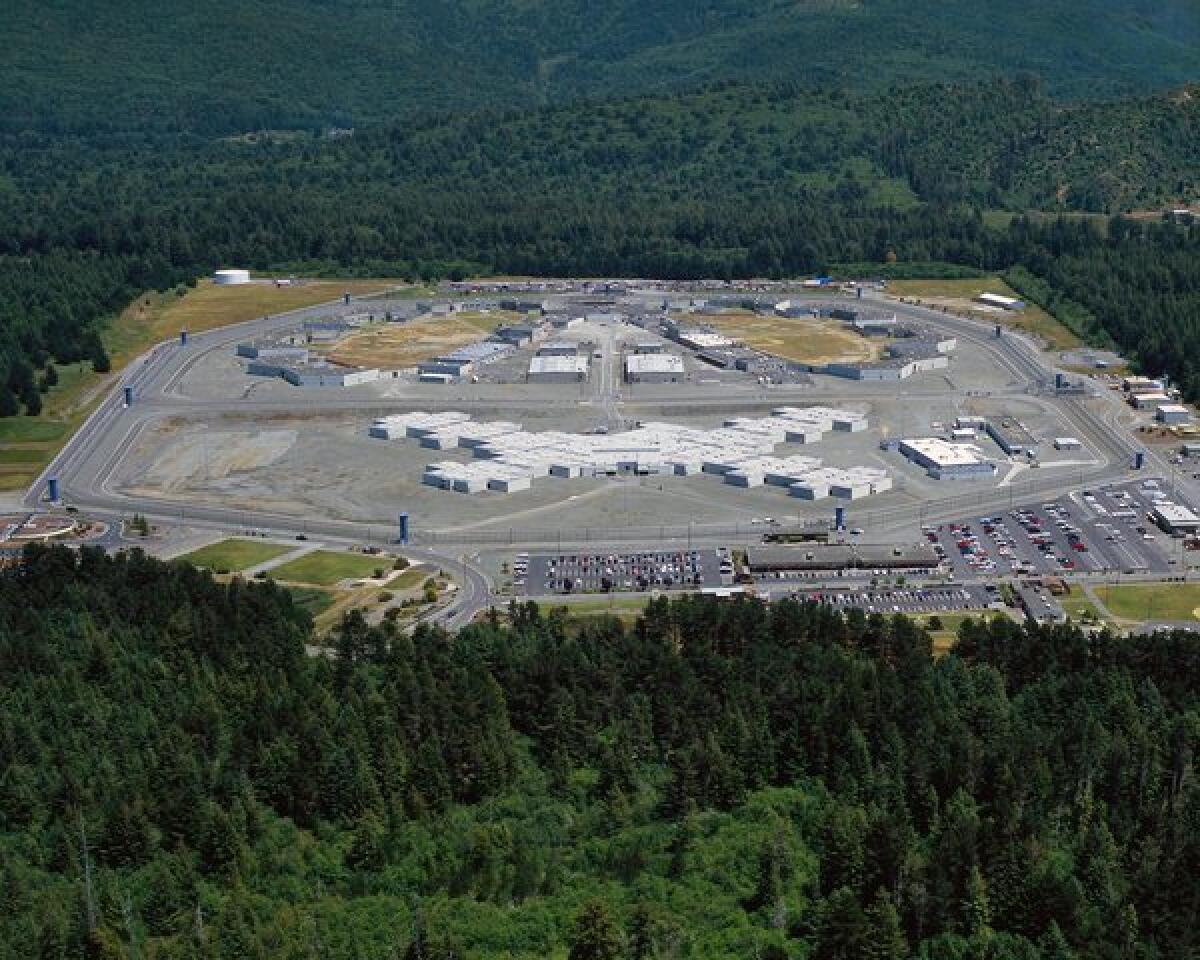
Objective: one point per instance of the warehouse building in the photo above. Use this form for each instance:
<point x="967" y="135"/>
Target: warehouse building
<point x="947" y="461"/>
<point x="557" y="368"/>
<point x="653" y="368"/>
<point x="1175" y="519"/>
<point x="1173" y="414"/>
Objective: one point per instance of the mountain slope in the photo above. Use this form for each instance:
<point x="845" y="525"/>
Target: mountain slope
<point x="228" y="66"/>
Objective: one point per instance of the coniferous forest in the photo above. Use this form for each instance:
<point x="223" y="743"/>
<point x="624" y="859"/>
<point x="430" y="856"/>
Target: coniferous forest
<point x="722" y="779"/>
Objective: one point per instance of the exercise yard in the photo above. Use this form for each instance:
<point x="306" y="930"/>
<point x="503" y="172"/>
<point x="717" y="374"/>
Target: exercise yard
<point x="802" y="339"/>
<point x="400" y="345"/>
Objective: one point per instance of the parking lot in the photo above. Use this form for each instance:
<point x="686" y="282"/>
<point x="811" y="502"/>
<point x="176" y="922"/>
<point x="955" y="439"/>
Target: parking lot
<point x="1100" y="531"/>
<point x="637" y="570"/>
<point x="908" y="600"/>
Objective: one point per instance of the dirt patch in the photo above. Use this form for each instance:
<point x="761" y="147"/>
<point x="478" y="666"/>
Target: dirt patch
<point x="802" y="339"/>
<point x="400" y="345"/>
<point x="207" y="455"/>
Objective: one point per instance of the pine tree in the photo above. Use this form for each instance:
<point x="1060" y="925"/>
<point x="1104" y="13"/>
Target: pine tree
<point x="595" y="936"/>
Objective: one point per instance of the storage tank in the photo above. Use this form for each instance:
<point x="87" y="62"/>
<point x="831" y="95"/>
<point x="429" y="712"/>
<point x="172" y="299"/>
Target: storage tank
<point x="229" y="277"/>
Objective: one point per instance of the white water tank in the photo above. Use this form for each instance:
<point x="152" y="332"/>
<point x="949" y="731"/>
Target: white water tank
<point x="226" y="278"/>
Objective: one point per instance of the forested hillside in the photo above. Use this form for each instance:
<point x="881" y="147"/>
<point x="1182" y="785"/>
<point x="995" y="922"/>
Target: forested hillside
<point x="739" y="181"/>
<point x="722" y="780"/>
<point x="227" y="67"/>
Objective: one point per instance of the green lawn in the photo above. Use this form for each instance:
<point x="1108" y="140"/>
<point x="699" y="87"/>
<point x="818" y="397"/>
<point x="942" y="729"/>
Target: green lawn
<point x="412" y="577"/>
<point x="312" y="599"/>
<point x="324" y="568"/>
<point x="1152" y="601"/>
<point x="235" y="554"/>
<point x="1079" y="607"/>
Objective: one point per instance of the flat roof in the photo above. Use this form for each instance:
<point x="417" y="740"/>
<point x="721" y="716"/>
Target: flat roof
<point x="653" y="363"/>
<point x="558" y="364"/>
<point x="943" y="452"/>
<point x="1176" y="514"/>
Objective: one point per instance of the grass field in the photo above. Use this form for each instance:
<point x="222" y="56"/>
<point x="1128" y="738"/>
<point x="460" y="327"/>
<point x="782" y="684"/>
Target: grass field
<point x="959" y="295"/>
<point x="399" y="345"/>
<point x="1079" y="607"/>
<point x="324" y="568"/>
<point x="805" y="340"/>
<point x="1152" y="601"/>
<point x="146" y="321"/>
<point x="313" y="599"/>
<point x="235" y="554"/>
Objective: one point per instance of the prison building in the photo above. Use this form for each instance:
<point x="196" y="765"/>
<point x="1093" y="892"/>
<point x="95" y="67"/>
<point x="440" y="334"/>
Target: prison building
<point x="944" y="460"/>
<point x="557" y="368"/>
<point x="1010" y="436"/>
<point x="653" y="368"/>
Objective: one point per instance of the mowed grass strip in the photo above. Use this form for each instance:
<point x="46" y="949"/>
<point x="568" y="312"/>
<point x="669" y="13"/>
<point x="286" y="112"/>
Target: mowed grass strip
<point x="400" y="345"/>
<point x="235" y="554"/>
<point x="324" y="568"/>
<point x="959" y="295"/>
<point x="802" y="339"/>
<point x="1152" y="601"/>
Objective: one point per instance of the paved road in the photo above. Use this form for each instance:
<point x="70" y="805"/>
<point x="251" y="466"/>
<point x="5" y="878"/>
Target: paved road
<point x="86" y="464"/>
